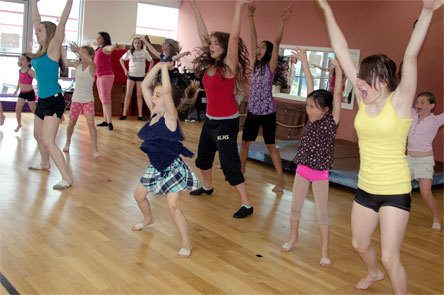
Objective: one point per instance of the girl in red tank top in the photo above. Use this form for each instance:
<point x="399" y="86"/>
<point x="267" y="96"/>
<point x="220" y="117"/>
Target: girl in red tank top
<point x="26" y="75"/>
<point x="222" y="61"/>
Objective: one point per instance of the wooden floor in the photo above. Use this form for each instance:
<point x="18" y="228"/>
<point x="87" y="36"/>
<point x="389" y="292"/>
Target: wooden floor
<point x="79" y="240"/>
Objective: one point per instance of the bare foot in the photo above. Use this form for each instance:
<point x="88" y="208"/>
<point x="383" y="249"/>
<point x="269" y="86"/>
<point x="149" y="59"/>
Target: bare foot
<point x="436" y="226"/>
<point x="185" y="252"/>
<point x="18" y="127"/>
<point x="288" y="246"/>
<point x="279" y="187"/>
<point x="66" y="148"/>
<point x="366" y="282"/>
<point x="96" y="154"/>
<point x="141" y="225"/>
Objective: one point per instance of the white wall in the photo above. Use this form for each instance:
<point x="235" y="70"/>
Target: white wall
<point x="117" y="17"/>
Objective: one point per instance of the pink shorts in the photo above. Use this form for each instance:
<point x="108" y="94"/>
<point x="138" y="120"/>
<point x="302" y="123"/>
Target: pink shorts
<point x="78" y="108"/>
<point x="105" y="87"/>
<point x="311" y="174"/>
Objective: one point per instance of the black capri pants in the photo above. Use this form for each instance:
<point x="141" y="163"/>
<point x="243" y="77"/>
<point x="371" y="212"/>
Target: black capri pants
<point x="220" y="135"/>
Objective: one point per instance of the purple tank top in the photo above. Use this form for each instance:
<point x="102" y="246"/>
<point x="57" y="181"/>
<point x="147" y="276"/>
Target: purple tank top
<point x="261" y="101"/>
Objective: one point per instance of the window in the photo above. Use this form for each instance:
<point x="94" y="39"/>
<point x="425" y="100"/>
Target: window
<point x="319" y="59"/>
<point x="157" y="20"/>
<point x="50" y="10"/>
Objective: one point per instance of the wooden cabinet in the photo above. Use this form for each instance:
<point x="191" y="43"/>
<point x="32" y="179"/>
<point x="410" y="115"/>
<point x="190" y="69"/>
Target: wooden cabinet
<point x="291" y="118"/>
<point x="117" y="99"/>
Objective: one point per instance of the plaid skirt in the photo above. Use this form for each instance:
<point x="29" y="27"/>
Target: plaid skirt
<point x="176" y="177"/>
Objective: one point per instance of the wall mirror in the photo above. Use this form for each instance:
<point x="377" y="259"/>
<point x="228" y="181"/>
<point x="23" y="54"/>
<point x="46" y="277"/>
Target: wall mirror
<point x="321" y="66"/>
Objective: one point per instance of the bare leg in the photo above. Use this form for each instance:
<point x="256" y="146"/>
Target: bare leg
<point x="2" y="116"/>
<point x="107" y="112"/>
<point x="179" y="220"/>
<point x="425" y="189"/>
<point x="393" y="223"/>
<point x="300" y="189"/>
<point x="242" y="190"/>
<point x="139" y="98"/>
<point x="277" y="162"/>
<point x="207" y="178"/>
<point x="144" y="205"/>
<point x="18" y="112"/>
<point x="128" y="95"/>
<point x="92" y="134"/>
<point x="320" y="193"/>
<point x="245" y="147"/>
<point x="69" y="131"/>
<point x="32" y="105"/>
<point x="49" y="132"/>
<point x="38" y="135"/>
<point x="364" y="222"/>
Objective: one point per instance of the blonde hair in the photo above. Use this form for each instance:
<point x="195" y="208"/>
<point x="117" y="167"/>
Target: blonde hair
<point x="50" y="29"/>
<point x="90" y="50"/>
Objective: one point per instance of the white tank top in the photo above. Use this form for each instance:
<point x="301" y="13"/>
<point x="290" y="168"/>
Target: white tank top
<point x="83" y="91"/>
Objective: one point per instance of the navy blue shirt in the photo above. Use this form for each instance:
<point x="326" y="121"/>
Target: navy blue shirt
<point x="162" y="145"/>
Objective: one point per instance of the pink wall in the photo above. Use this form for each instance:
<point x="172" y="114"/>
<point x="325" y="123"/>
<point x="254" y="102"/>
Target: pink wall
<point x="371" y="26"/>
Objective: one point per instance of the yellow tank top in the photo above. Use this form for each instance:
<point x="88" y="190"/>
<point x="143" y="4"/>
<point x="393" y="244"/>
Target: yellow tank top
<point x="382" y="142"/>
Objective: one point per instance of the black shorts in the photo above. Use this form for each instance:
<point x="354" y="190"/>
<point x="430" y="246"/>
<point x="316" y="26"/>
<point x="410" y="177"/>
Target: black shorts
<point x="221" y="135"/>
<point x="29" y="96"/>
<point x="252" y="124"/>
<point x="51" y="105"/>
<point x="375" y="202"/>
<point x="136" y="79"/>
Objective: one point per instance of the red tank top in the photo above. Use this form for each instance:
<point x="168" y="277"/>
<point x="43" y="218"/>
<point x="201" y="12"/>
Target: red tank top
<point x="220" y="95"/>
<point x="103" y="63"/>
<point x="24" y="78"/>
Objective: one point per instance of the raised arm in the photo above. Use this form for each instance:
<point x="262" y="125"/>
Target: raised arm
<point x="147" y="84"/>
<point x="201" y="27"/>
<point x="54" y="51"/>
<point x="232" y="59"/>
<point x="151" y="47"/>
<point x="180" y="55"/>
<point x="337" y="94"/>
<point x="405" y="92"/>
<point x="253" y="34"/>
<point x="301" y="54"/>
<point x="36" y="19"/>
<point x="171" y="111"/>
<point x="108" y="49"/>
<point x="278" y="38"/>
<point x="340" y="46"/>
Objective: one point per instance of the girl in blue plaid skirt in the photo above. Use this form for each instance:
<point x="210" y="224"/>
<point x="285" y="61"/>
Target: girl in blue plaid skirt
<point x="167" y="174"/>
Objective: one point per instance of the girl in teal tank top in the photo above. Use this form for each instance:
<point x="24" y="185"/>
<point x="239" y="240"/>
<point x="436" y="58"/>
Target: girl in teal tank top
<point x="51" y="103"/>
<point x="384" y="186"/>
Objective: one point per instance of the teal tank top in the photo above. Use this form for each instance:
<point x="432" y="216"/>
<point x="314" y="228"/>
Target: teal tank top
<point x="47" y="75"/>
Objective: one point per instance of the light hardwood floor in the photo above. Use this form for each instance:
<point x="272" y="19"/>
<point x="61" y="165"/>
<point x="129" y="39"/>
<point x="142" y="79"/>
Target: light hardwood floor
<point x="79" y="240"/>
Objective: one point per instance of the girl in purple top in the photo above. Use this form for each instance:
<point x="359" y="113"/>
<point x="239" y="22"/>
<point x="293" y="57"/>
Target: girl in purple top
<point x="261" y="105"/>
<point x="425" y="125"/>
<point x="315" y="156"/>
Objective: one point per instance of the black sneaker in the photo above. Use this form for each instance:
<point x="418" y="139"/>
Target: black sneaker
<point x="103" y="124"/>
<point x="243" y="212"/>
<point x="123" y="117"/>
<point x="200" y="191"/>
<point x="110" y="126"/>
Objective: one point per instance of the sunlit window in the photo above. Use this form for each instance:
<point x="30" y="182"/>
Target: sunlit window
<point x="157" y="20"/>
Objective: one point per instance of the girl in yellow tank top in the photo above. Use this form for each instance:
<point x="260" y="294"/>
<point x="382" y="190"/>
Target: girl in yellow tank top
<point x="382" y="124"/>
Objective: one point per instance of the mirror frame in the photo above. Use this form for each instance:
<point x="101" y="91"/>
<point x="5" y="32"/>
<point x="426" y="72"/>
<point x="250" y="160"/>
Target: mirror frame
<point x="355" y="53"/>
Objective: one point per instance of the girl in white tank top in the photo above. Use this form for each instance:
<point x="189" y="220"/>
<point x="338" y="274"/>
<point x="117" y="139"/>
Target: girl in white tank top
<point x="83" y="99"/>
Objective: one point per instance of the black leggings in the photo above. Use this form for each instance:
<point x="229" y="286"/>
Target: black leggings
<point x="221" y="135"/>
